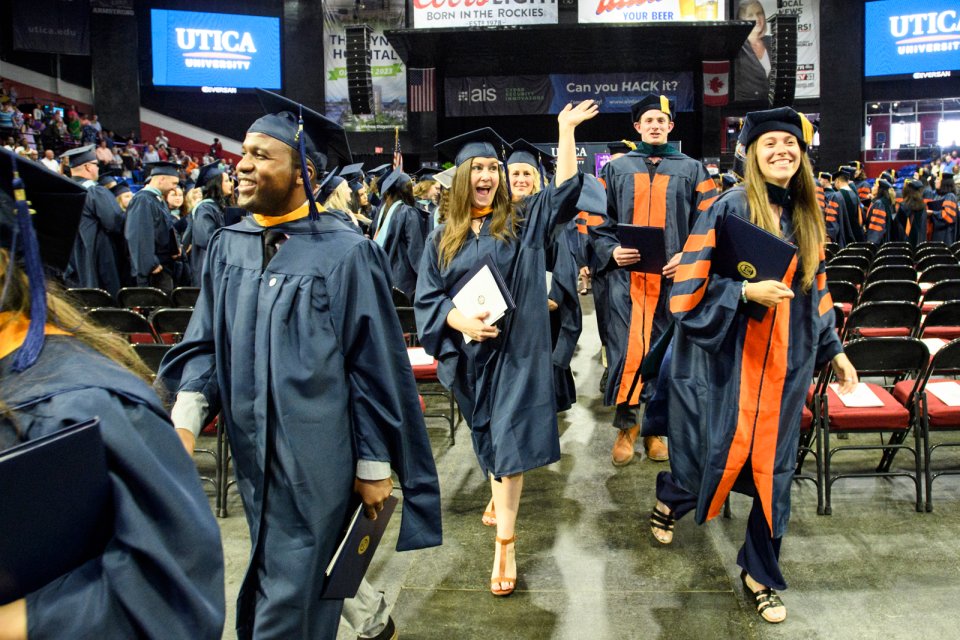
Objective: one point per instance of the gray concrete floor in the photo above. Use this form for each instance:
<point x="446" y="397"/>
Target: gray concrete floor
<point x="589" y="567"/>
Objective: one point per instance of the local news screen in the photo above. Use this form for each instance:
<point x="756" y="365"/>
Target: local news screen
<point x="192" y="49"/>
<point x="911" y="38"/>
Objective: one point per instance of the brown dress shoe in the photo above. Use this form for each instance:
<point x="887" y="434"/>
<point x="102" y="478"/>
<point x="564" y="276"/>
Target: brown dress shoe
<point x="656" y="448"/>
<point x="623" y="447"/>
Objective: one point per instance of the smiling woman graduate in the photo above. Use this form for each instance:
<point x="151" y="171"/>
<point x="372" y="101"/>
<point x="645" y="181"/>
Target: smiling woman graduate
<point x="737" y="385"/>
<point x="502" y="379"/>
<point x="294" y="338"/>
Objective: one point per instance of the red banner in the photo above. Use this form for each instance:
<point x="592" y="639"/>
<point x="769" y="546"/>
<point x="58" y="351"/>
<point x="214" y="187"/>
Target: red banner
<point x="716" y="83"/>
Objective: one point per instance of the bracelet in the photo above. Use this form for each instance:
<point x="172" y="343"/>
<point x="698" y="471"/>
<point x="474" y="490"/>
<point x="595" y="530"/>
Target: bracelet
<point x="743" y="292"/>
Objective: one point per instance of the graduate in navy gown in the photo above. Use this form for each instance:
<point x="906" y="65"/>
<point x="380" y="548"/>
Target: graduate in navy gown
<point x="944" y="209"/>
<point x="736" y="386"/>
<point x="94" y="262"/>
<point x="400" y="230"/>
<point x="503" y="378"/>
<point x="151" y="238"/>
<point x="210" y="214"/>
<point x="294" y="341"/>
<point x="880" y="223"/>
<point x="161" y="573"/>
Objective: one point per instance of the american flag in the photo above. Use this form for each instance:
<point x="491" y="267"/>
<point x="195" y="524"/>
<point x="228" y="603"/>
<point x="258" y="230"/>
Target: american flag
<point x="397" y="155"/>
<point x="423" y="97"/>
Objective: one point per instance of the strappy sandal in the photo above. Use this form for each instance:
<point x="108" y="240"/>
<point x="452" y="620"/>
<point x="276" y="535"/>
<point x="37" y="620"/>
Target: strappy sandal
<point x="660" y="521"/>
<point x="496" y="583"/>
<point x="489" y="518"/>
<point x="765" y="599"/>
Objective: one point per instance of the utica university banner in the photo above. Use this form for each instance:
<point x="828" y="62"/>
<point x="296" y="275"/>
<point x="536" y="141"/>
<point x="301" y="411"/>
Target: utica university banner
<point x="540" y="94"/>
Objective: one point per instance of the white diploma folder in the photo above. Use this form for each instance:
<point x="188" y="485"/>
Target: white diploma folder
<point x="482" y="290"/>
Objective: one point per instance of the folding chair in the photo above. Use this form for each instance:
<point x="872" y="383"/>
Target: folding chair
<point x="928" y="250"/>
<point x="131" y="324"/>
<point x="151" y="354"/>
<point x="408" y="323"/>
<point x="890" y="250"/>
<point x="853" y="275"/>
<point x="171" y="324"/>
<point x="185" y="297"/>
<point x="935" y="260"/>
<point x="897" y="358"/>
<point x="892" y="261"/>
<point x="851" y="250"/>
<point x="811" y="441"/>
<point x="937" y="415"/>
<point x="893" y="272"/>
<point x="400" y="299"/>
<point x="426" y="374"/>
<point x="882" y="319"/>
<point x="857" y="261"/>
<point x="830" y="249"/>
<point x="890" y="290"/>
<point x="865" y="246"/>
<point x="142" y="299"/>
<point x="943" y="291"/>
<point x="955" y="248"/>
<point x="90" y="298"/>
<point x="939" y="273"/>
<point x="844" y="295"/>
<point x="942" y="322"/>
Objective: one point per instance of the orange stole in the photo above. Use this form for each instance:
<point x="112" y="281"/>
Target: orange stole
<point x="650" y="210"/>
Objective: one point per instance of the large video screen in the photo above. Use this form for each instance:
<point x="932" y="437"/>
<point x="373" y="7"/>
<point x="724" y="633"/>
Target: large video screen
<point x="192" y="49"/>
<point x="912" y="38"/>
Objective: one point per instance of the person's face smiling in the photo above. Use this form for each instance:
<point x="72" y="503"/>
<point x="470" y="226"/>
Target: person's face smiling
<point x="778" y="154"/>
<point x="484" y="180"/>
<point x="266" y="175"/>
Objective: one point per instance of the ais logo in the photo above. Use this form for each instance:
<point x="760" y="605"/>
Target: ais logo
<point x="486" y="94"/>
<point x="208" y="48"/>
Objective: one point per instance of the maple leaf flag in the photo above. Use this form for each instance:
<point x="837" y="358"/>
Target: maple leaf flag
<point x="716" y="83"/>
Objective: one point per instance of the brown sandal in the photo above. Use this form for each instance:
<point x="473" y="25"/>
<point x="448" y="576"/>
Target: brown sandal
<point x="502" y="579"/>
<point x="489" y="518"/>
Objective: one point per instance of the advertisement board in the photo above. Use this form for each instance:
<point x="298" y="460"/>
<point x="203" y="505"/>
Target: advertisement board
<point x="910" y="38"/>
<point x="52" y="26"/>
<point x="432" y="14"/>
<point x="628" y="11"/>
<point x="540" y="94"/>
<point x="192" y="49"/>
<point x="387" y="71"/>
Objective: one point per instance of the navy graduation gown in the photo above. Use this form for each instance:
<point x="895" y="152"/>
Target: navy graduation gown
<point x="945" y="219"/>
<point x="207" y="218"/>
<point x="566" y="322"/>
<point x="833" y="214"/>
<point x="403" y="245"/>
<point x="161" y="574"/>
<point x="150" y="236"/>
<point x="913" y="223"/>
<point x="853" y="226"/>
<point x="306" y="357"/>
<point x="504" y="386"/>
<point x="93" y="262"/>
<point x="880" y="223"/>
<point x="737" y="385"/>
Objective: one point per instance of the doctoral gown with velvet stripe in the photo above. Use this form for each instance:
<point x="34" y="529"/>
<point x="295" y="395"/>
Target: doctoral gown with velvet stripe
<point x="404" y="247"/>
<point x="671" y="199"/>
<point x="161" y="573"/>
<point x="881" y="226"/>
<point x="307" y="360"/>
<point x="504" y="385"/>
<point x="737" y="385"/>
<point x="945" y="219"/>
<point x="206" y="218"/>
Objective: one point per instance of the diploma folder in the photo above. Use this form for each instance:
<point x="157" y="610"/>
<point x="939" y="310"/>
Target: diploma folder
<point x="56" y="511"/>
<point x="747" y="252"/>
<point x="649" y="241"/>
<point x="352" y="558"/>
<point x="482" y="289"/>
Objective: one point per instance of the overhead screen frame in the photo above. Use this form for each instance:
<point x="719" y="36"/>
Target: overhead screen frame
<point x="878" y="43"/>
<point x="220" y="86"/>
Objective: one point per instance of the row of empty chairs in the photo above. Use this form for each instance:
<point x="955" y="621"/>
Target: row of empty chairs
<point x="134" y="298"/>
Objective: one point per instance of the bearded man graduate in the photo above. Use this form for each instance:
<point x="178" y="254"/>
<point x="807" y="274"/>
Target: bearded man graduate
<point x="655" y="186"/>
<point x="293" y="338"/>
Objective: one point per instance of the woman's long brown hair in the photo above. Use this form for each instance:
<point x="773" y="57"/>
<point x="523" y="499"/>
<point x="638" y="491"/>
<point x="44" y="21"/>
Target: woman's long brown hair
<point x="808" y="228"/>
<point x="457" y="214"/>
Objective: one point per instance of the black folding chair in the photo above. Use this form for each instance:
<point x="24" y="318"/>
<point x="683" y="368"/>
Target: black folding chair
<point x="185" y="297"/>
<point x="939" y="273"/>
<point x="943" y="291"/>
<point x="857" y="261"/>
<point x="935" y="260"/>
<point x="852" y="275"/>
<point x="143" y="299"/>
<point x="942" y="322"/>
<point x="882" y="319"/>
<point x="897" y="359"/>
<point x="893" y="272"/>
<point x="865" y="246"/>
<point x="171" y="324"/>
<point x="87" y="298"/>
<point x="928" y="250"/>
<point x="892" y="261"/>
<point x="131" y="324"/>
<point x="400" y="299"/>
<point x="887" y="250"/>
<point x="152" y="354"/>
<point x="844" y="295"/>
<point x="891" y="291"/>
<point x="937" y="415"/>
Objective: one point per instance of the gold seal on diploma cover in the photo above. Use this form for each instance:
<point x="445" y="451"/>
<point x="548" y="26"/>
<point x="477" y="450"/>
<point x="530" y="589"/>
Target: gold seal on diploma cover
<point x="364" y="543"/>
<point x="746" y="269"/>
<point x="481" y="299"/>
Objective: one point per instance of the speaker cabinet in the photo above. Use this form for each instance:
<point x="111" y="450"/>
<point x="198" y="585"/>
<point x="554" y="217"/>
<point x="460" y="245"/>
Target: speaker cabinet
<point x="359" y="81"/>
<point x="783" y="70"/>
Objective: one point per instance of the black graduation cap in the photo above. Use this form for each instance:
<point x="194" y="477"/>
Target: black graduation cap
<point x="107" y="179"/>
<point x="322" y="136"/>
<point x="621" y="146"/>
<point x="730" y="179"/>
<point x="786" y="119"/>
<point x="396" y="178"/>
<point x="119" y="189"/>
<point x="80" y="155"/>
<point x="188" y="185"/>
<point x="208" y="172"/>
<point x="480" y="143"/>
<point x="825" y="175"/>
<point x="855" y="164"/>
<point x="39" y="214"/>
<point x="163" y="168"/>
<point x="380" y="171"/>
<point x="847" y="171"/>
<point x="914" y="183"/>
<point x="528" y="153"/>
<point x="426" y="173"/>
<point x="651" y="101"/>
<point x="353" y="173"/>
<point x="329" y="184"/>
<point x="884" y="183"/>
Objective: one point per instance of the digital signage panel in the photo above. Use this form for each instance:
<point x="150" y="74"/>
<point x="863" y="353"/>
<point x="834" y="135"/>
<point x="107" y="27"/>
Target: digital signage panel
<point x="192" y="49"/>
<point x="911" y="38"/>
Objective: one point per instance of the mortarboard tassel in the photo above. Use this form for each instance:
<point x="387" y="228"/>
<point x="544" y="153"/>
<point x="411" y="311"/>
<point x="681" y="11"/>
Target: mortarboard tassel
<point x="302" y="148"/>
<point x="29" y="351"/>
<point x="506" y="173"/>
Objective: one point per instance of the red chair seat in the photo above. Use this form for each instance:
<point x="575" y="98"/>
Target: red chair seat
<point x="806" y="419"/>
<point x="946" y="333"/>
<point x="423" y="404"/>
<point x="927" y="307"/>
<point x="845" y="307"/>
<point x="884" y="332"/>
<point x="940" y="415"/>
<point x="424" y="372"/>
<point x="891" y="416"/>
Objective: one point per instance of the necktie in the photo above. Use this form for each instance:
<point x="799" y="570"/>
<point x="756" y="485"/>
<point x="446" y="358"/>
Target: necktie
<point x="271" y="244"/>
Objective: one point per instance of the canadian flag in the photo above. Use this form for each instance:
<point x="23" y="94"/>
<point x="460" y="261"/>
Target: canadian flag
<point x="716" y="82"/>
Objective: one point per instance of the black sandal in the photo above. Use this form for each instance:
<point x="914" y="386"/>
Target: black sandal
<point x="765" y="599"/>
<point x="663" y="522"/>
